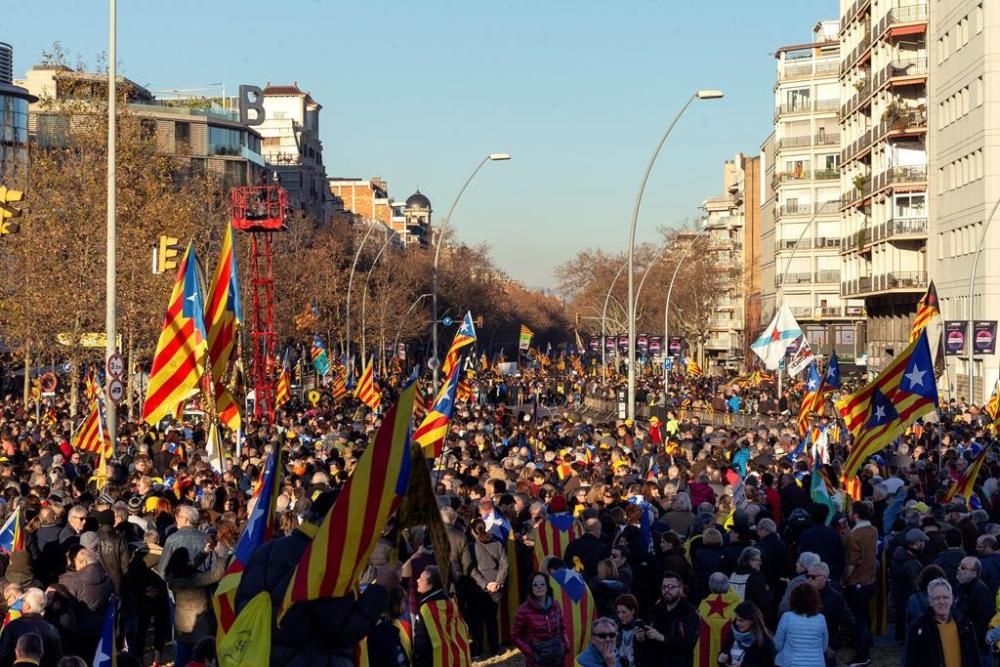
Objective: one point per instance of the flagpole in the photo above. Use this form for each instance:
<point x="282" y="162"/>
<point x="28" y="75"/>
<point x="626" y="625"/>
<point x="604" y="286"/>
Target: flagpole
<point x="781" y="292"/>
<point x="972" y="307"/>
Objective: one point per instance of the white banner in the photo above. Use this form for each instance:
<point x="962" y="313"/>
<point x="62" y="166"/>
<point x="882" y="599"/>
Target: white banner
<point x="803" y="357"/>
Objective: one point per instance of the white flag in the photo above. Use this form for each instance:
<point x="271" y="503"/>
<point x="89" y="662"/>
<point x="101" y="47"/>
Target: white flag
<point x="778" y="335"/>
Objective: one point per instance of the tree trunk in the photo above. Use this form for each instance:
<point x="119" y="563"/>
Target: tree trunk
<point x="74" y="381"/>
<point x="129" y="364"/>
<point x="27" y="373"/>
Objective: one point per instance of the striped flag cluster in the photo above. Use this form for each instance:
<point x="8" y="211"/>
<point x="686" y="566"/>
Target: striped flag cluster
<point x="448" y="633"/>
<point x="877" y="414"/>
<point x="927" y="309"/>
<point x="180" y="359"/>
<point x="367" y="391"/>
<point x="283" y="391"/>
<point x="338" y="389"/>
<point x="692" y="369"/>
<point x="332" y="564"/>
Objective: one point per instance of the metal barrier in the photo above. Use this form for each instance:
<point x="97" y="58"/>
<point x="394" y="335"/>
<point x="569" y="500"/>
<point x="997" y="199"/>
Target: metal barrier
<point x="737" y="420"/>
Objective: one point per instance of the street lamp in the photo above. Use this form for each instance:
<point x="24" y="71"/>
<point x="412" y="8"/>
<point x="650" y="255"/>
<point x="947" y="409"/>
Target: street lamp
<point x="604" y="315"/>
<point x="364" y="295"/>
<point x="492" y="157"/>
<point x="699" y="95"/>
<point x="111" y="267"/>
<point x="350" y="284"/>
<point x="666" y="310"/>
<point x="972" y="308"/>
<point x="406" y="317"/>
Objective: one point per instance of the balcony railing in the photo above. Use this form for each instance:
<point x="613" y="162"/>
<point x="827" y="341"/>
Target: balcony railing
<point x="900" y="227"/>
<point x="794" y="278"/>
<point x="828" y="311"/>
<point x="801" y="311"/>
<point x="907" y="120"/>
<point x="916" y="13"/>
<point x="804" y="68"/>
<point x="859" y="50"/>
<point x="903" y="175"/>
<point x="826" y="174"/>
<point x="903" y="280"/>
<point x="788" y="244"/>
<point x="908" y="67"/>
<point x="828" y="208"/>
<point x="828" y="276"/>
<point x="795" y="209"/>
<point x="827" y="242"/>
<point x="862" y="90"/>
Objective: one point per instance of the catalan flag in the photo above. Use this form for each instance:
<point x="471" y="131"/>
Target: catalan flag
<point x="92" y="436"/>
<point x="339" y="387"/>
<point x="332" y="564"/>
<point x="553" y="535"/>
<point x="510" y="599"/>
<point x="12" y="533"/>
<point x="259" y="529"/>
<point x="434" y="427"/>
<point x="92" y="389"/>
<point x="465" y="336"/>
<point x="715" y="614"/>
<point x="993" y="406"/>
<point x="448" y="633"/>
<point x="320" y="359"/>
<point x="228" y="407"/>
<point x="524" y="341"/>
<point x="308" y="318"/>
<point x="812" y="400"/>
<point x="692" y="369"/>
<point x="964" y="485"/>
<point x="577" y="604"/>
<point x="831" y="379"/>
<point x="367" y="391"/>
<point x="927" y="309"/>
<point x="283" y="392"/>
<point x="465" y="392"/>
<point x="223" y="315"/>
<point x="904" y="391"/>
<point x="179" y="362"/>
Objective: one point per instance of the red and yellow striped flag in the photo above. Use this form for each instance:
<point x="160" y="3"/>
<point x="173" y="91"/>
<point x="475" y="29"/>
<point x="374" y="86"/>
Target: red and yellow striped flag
<point x="927" y="309"/>
<point x="367" y="391"/>
<point x="448" y="633"/>
<point x="434" y="427"/>
<point x="339" y="387"/>
<point x="283" y="392"/>
<point x="228" y="408"/>
<point x="993" y="406"/>
<point x="179" y="362"/>
<point x="964" y="485"/>
<point x="334" y="560"/>
<point x="222" y="320"/>
<point x="92" y="436"/>
<point x="466" y="335"/>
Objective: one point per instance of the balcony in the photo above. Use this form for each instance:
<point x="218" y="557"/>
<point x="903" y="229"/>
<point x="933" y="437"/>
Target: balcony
<point x="826" y="174"/>
<point x="828" y="311"/>
<point x="828" y="276"/>
<point x="788" y="244"/>
<point x="828" y="208"/>
<point x="901" y="70"/>
<point x="854" y="311"/>
<point x="801" y="311"/>
<point x="916" y="13"/>
<point x="794" y="279"/>
<point x="857" y="147"/>
<point x="900" y="227"/>
<point x="900" y="176"/>
<point x="807" y="68"/>
<point x="789" y="210"/>
<point x="898" y="281"/>
<point x="902" y="121"/>
<point x="805" y="106"/>
<point x="827" y="242"/>
<point x="852" y="58"/>
<point x="862" y="91"/>
<point x="852" y="12"/>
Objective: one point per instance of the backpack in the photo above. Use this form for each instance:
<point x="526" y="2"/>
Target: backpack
<point x="738" y="582"/>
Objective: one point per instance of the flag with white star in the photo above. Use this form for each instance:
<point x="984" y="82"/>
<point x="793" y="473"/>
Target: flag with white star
<point x="902" y="393"/>
<point x="105" y="655"/>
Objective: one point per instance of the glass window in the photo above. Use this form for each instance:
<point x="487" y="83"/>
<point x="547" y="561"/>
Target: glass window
<point x="223" y="141"/>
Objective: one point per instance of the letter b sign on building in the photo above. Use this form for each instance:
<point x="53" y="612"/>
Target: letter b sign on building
<point x="251" y="99"/>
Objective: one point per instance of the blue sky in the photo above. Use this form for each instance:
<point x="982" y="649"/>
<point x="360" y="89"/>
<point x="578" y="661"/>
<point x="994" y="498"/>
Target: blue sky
<point x="578" y="91"/>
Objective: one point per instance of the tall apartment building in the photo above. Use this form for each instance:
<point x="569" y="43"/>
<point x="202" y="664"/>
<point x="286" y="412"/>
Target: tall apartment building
<point x="805" y="181"/>
<point x="725" y="221"/>
<point x="883" y="166"/>
<point x="293" y="149"/>
<point x="14" y="102"/>
<point x="964" y="148"/>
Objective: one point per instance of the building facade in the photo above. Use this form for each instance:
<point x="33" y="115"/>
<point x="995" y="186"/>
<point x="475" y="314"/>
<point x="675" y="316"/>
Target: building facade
<point x="14" y="101"/>
<point x="293" y="150"/>
<point x="806" y="183"/>
<point x="883" y="167"/>
<point x="357" y="198"/>
<point x="963" y="146"/>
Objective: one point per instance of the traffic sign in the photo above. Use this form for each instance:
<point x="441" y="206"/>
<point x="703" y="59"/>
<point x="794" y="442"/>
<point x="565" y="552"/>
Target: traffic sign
<point x="433" y="363"/>
<point x="446" y="321"/>
<point x="115" y="390"/>
<point x="115" y="365"/>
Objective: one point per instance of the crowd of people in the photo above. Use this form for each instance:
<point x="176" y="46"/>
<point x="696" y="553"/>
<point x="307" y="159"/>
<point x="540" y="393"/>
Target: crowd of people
<point x="694" y="542"/>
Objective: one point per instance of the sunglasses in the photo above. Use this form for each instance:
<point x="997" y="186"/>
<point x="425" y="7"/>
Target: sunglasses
<point x="605" y="635"/>
<point x="815" y="576"/>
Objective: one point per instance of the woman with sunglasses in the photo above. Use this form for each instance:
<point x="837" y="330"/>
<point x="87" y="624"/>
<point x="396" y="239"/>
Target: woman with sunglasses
<point x="749" y="644"/>
<point x="538" y="626"/>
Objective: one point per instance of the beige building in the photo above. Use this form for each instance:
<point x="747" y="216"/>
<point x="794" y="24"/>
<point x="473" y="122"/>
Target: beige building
<point x="358" y="198"/>
<point x="964" y="148"/>
<point x="806" y="184"/>
<point x="293" y="149"/>
<point x="883" y="167"/>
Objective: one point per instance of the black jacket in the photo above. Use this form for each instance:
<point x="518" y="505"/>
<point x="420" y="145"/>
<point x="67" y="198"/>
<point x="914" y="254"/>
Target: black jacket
<point x="755" y="656"/>
<point x="923" y="643"/>
<point x="680" y="627"/>
<point x="312" y="634"/>
<point x="48" y="558"/>
<point x="825" y="542"/>
<point x="113" y="552"/>
<point x="840" y="623"/>
<point x="974" y="601"/>
<point x="423" y="649"/>
<point x="51" y="642"/>
<point x="590" y="550"/>
<point x="905" y="568"/>
<point x="949" y="560"/>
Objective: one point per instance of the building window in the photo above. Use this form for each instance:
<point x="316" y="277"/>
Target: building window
<point x="223" y="141"/>
<point x="182" y="138"/>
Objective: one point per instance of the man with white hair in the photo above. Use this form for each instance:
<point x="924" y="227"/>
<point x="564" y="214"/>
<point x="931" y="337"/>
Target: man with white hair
<point x="802" y="565"/>
<point x="942" y="636"/>
<point x="31" y="621"/>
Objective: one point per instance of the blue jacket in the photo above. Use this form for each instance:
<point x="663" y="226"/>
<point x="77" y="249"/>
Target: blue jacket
<point x="591" y="658"/>
<point x="801" y="641"/>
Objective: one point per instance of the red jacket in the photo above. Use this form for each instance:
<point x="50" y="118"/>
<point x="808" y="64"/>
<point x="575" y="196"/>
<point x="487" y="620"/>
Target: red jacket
<point x="534" y="624"/>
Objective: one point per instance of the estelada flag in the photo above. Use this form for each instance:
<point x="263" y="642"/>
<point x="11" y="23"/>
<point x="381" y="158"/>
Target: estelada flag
<point x="578" y="608"/>
<point x="966" y="482"/>
<point x="367" y="391"/>
<point x="510" y="598"/>
<point x="466" y="335"/>
<point x="715" y="614"/>
<point x="553" y="535"/>
<point x="448" y="633"/>
<point x="334" y="560"/>
<point x="434" y="427"/>
<point x="283" y="393"/>
<point x="179" y="362"/>
<point x="11" y="534"/>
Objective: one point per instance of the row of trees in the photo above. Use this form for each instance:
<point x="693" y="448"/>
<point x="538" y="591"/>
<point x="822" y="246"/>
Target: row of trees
<point x="54" y="268"/>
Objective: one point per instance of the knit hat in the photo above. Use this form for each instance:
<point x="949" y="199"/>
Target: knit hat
<point x="88" y="540"/>
<point x="135" y="505"/>
<point x="914" y="535"/>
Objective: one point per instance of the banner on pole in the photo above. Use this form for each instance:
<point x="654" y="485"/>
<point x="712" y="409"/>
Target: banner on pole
<point x="955" y="333"/>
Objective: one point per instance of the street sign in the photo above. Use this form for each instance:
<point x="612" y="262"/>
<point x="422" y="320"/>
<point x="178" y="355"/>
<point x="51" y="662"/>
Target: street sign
<point x="433" y="363"/>
<point x="115" y="365"/>
<point x="446" y="321"/>
<point x="115" y="390"/>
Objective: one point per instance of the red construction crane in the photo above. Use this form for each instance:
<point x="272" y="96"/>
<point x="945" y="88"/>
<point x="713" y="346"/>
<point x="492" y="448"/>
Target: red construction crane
<point x="261" y="210"/>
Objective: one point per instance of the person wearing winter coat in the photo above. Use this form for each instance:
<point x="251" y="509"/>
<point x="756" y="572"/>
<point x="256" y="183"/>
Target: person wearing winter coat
<point x="941" y="636"/>
<point x="90" y="587"/>
<point x="973" y="600"/>
<point x="706" y="560"/>
<point x="539" y="619"/>
<point x="801" y="639"/>
<point x="905" y="570"/>
<point x="606" y="587"/>
<point x="670" y="637"/>
<point x="747" y="580"/>
<point x="490" y="575"/>
<point x="748" y="643"/>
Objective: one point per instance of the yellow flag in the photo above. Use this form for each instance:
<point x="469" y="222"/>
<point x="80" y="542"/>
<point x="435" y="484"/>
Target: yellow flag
<point x="248" y="642"/>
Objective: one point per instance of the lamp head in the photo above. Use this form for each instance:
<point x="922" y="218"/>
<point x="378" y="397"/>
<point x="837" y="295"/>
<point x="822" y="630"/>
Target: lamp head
<point x="709" y="94"/>
<point x="496" y="157"/>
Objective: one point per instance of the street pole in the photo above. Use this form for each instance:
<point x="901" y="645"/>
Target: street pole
<point x="666" y="311"/>
<point x="364" y="294"/>
<point x="972" y="307"/>
<point x="604" y="316"/>
<point x="395" y="343"/>
<point x="703" y="95"/>
<point x="492" y="157"/>
<point x="111" y="268"/>
<point x="350" y="284"/>
<point x="780" y="291"/>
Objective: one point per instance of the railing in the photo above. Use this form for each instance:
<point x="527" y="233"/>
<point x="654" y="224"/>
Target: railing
<point x="801" y="311"/>
<point x="795" y="209"/>
<point x="828" y="276"/>
<point x="828" y="208"/>
<point x="827" y="242"/>
<point x="904" y="280"/>
<point x="827" y="311"/>
<point x="827" y="139"/>
<point x="907" y="67"/>
<point x="909" y="14"/>
<point x="794" y="278"/>
<point x="788" y="244"/>
<point x="808" y="67"/>
<point x="900" y="227"/>
<point x="862" y="90"/>
<point x="797" y="175"/>
<point x="902" y="175"/>
<point x="794" y="142"/>
<point x="826" y="174"/>
<point x="855" y="311"/>
<point x="907" y="120"/>
<point x="857" y="146"/>
<point x="859" y="50"/>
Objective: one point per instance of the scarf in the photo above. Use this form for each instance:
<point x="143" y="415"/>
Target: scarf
<point x="742" y="639"/>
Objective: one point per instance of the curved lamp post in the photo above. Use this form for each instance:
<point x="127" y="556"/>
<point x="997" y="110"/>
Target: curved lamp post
<point x="364" y="295"/>
<point x="699" y="95"/>
<point x="492" y="157"/>
<point x="395" y="342"/>
<point x="350" y="284"/>
<point x="972" y="306"/>
<point x="604" y="315"/>
<point x="666" y="309"/>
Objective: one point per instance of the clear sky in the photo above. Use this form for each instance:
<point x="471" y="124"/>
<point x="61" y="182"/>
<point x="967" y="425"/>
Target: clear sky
<point x="578" y="91"/>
